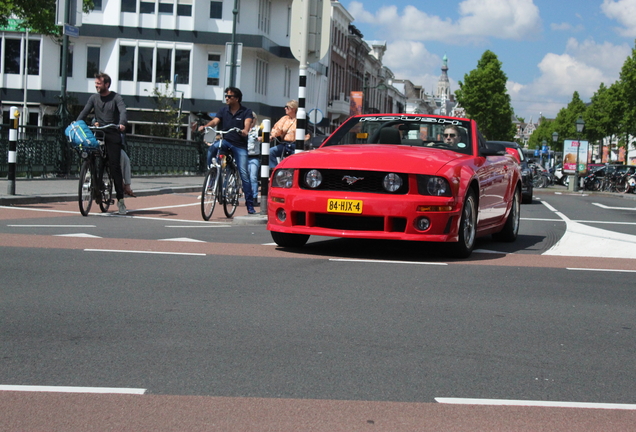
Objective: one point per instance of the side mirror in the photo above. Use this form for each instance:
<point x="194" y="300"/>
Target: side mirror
<point x="492" y="149"/>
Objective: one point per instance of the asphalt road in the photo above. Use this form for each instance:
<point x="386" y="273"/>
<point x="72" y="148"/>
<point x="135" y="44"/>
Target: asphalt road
<point x="162" y="302"/>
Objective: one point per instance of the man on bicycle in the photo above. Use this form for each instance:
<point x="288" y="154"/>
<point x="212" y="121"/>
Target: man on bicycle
<point x="234" y="114"/>
<point x="109" y="108"/>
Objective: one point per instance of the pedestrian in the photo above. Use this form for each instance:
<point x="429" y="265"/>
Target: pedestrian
<point x="234" y="114"/>
<point x="254" y="158"/>
<point x="109" y="108"/>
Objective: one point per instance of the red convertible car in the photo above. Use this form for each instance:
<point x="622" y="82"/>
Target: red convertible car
<point x="399" y="177"/>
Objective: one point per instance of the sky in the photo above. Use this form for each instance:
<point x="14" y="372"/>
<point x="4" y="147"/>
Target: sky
<point x="548" y="48"/>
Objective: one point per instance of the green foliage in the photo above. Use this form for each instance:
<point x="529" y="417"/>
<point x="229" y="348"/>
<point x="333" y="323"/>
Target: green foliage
<point x="565" y="121"/>
<point x="543" y="133"/>
<point x="166" y="117"/>
<point x="484" y="96"/>
<point x="628" y="93"/>
<point x="37" y="15"/>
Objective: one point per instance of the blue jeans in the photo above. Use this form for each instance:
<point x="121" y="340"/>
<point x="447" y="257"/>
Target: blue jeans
<point x="213" y="151"/>
<point x="240" y="157"/>
<point x="253" y="166"/>
<point x="277" y="151"/>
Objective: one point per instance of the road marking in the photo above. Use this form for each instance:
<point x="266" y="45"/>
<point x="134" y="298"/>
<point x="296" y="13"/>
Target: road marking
<point x="168" y="207"/>
<point x="82" y="235"/>
<point x="614" y="208"/>
<point x="385" y="261"/>
<point x="39" y="210"/>
<point x="189" y="226"/>
<point x="542" y="219"/>
<point x="601" y="270"/>
<point x="465" y="401"/>
<point x="64" y="389"/>
<point x="143" y="252"/>
<point x="183" y="239"/>
<point x="53" y="226"/>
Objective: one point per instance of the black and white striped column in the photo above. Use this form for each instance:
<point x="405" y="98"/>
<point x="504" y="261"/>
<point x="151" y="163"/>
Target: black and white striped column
<point x="301" y="114"/>
<point x="12" y="158"/>
<point x="267" y="128"/>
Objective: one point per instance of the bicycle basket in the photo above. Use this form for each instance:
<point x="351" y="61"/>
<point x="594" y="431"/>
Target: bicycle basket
<point x="80" y="136"/>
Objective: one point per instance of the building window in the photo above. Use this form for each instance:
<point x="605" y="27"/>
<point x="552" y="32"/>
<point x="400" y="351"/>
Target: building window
<point x="214" y="69"/>
<point x="144" y="64"/>
<point x="182" y="66"/>
<point x="126" y="63"/>
<point x="216" y="9"/>
<point x="287" y="82"/>
<point x="166" y="6"/>
<point x="164" y="61"/>
<point x="69" y="62"/>
<point x="184" y="7"/>
<point x="97" y="5"/>
<point x="33" y="67"/>
<point x="264" y="15"/>
<point x="262" y="71"/>
<point x="129" y="6"/>
<point x="147" y="7"/>
<point x="92" y="61"/>
<point x="12" y="49"/>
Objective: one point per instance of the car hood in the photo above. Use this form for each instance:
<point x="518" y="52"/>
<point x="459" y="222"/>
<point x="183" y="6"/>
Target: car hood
<point x="374" y="157"/>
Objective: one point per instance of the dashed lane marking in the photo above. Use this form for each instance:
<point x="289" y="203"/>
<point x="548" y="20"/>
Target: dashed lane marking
<point x="600" y="270"/>
<point x="183" y="239"/>
<point x="63" y="389"/>
<point x="385" y="261"/>
<point x="144" y="252"/>
<point x="501" y="402"/>
<point x="82" y="235"/>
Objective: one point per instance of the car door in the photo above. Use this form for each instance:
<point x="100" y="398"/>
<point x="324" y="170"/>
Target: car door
<point x="494" y="177"/>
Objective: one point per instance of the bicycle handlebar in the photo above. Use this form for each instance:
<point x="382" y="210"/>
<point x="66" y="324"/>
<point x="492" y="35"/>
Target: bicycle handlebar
<point x="211" y="129"/>
<point x="112" y="125"/>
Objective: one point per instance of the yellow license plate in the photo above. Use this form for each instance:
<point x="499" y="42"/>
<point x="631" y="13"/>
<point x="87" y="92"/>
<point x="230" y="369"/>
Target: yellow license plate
<point x="344" y="206"/>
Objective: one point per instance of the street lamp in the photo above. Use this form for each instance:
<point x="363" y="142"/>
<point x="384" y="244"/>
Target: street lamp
<point x="555" y="138"/>
<point x="580" y="124"/>
<point x="382" y="85"/>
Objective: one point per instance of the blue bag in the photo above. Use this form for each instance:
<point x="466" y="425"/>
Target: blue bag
<point x="80" y="136"/>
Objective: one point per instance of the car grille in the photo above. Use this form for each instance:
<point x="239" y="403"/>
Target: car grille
<point x="361" y="181"/>
<point x="351" y="222"/>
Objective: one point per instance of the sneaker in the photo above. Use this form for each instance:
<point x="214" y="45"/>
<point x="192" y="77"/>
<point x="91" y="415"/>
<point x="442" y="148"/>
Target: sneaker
<point x="121" y="206"/>
<point x="250" y="209"/>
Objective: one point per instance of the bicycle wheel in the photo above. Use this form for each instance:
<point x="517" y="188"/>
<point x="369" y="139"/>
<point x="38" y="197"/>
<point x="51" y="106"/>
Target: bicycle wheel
<point x="106" y="190"/>
<point x="209" y="193"/>
<point x="85" y="189"/>
<point x="230" y="191"/>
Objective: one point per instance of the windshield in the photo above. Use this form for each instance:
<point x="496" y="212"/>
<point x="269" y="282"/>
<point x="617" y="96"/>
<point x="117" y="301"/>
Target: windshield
<point x="419" y="131"/>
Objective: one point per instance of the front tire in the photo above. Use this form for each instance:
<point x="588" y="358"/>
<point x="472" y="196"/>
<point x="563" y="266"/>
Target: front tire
<point x="85" y="190"/>
<point x="467" y="229"/>
<point x="289" y="240"/>
<point x="511" y="227"/>
<point x="209" y="193"/>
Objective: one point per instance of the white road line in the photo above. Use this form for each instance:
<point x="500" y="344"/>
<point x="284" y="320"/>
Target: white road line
<point x="614" y="208"/>
<point x="39" y="210"/>
<point x="385" y="261"/>
<point x="600" y="270"/>
<point x="63" y="389"/>
<point x="500" y="402"/>
<point x="82" y="235"/>
<point x="189" y="226"/>
<point x="183" y="239"/>
<point x="143" y="252"/>
<point x="542" y="219"/>
<point x="52" y="226"/>
<point x="168" y="207"/>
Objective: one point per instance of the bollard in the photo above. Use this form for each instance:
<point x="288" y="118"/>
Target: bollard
<point x="267" y="127"/>
<point x="14" y="114"/>
<point x="301" y="114"/>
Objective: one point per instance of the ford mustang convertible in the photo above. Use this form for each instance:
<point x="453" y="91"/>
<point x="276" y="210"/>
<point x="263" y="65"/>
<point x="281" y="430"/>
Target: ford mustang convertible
<point x="399" y="177"/>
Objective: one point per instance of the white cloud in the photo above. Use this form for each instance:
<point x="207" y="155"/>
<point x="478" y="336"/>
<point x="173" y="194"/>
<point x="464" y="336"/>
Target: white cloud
<point x="425" y="71"/>
<point x="623" y="11"/>
<point x="502" y="19"/>
<point x="564" y="26"/>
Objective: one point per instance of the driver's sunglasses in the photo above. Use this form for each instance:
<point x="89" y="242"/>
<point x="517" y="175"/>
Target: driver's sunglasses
<point x="450" y="135"/>
<point x="228" y="96"/>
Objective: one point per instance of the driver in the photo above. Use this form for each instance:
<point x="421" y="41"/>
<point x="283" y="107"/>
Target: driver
<point x="451" y="135"/>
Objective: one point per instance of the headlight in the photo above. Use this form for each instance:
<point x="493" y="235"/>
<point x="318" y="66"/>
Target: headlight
<point x="284" y="178"/>
<point x="433" y="185"/>
<point x="313" y="178"/>
<point x="392" y="182"/>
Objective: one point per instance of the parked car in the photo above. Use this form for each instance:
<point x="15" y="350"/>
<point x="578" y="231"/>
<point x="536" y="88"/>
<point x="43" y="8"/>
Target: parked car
<point x="527" y="188"/>
<point x="393" y="176"/>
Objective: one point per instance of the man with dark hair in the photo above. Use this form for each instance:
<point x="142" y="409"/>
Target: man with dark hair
<point x="109" y="108"/>
<point x="234" y="114"/>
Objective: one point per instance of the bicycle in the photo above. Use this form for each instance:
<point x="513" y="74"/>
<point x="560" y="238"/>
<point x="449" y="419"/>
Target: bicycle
<point x="95" y="182"/>
<point x="222" y="181"/>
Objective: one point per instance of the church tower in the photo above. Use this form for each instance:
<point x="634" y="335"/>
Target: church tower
<point x="443" y="85"/>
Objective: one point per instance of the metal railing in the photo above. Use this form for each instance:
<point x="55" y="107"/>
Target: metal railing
<point x="44" y="152"/>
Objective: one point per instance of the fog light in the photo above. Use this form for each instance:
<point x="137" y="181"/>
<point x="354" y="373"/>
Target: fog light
<point x="422" y="224"/>
<point x="281" y="214"/>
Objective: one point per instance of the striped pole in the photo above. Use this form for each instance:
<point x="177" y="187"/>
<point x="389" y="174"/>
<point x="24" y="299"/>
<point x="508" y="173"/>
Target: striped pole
<point x="301" y="114"/>
<point x="267" y="127"/>
<point x="14" y="115"/>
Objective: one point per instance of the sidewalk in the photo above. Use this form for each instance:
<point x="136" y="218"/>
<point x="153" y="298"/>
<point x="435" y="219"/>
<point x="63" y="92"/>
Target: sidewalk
<point x="37" y="191"/>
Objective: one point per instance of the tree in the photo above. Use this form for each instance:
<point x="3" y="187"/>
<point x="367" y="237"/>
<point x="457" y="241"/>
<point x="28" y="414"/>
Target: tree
<point x="484" y="96"/>
<point x="542" y="133"/>
<point x="628" y="92"/>
<point x="36" y="15"/>
<point x="166" y="117"/>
